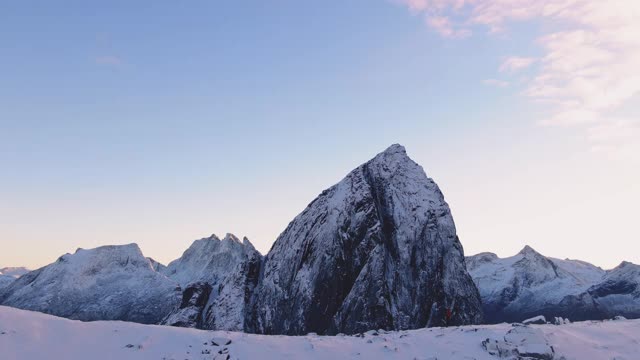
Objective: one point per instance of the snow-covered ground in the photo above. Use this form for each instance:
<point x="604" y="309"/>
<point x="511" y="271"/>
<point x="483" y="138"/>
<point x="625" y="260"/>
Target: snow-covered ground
<point x="30" y="335"/>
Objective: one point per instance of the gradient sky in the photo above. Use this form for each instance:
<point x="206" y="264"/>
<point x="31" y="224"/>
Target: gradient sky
<point x="159" y="122"/>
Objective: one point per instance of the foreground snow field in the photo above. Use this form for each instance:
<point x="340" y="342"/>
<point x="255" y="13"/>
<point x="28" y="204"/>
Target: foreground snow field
<point x="30" y="335"/>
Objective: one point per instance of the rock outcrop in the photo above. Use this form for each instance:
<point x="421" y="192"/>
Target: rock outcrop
<point x="229" y="268"/>
<point x="378" y="250"/>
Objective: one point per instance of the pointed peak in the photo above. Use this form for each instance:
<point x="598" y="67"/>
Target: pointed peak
<point x="246" y="242"/>
<point x="625" y="264"/>
<point x="528" y="250"/>
<point x="392" y="156"/>
<point x="214" y="237"/>
<point x="231" y="237"/>
<point x="395" y="149"/>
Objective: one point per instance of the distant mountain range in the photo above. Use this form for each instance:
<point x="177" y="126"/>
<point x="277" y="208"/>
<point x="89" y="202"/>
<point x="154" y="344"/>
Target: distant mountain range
<point x="378" y="250"/>
<point x="530" y="284"/>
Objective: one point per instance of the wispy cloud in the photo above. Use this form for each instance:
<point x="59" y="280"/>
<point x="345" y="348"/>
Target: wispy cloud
<point x="516" y="63"/>
<point x="495" y="82"/>
<point x="110" y="60"/>
<point x="444" y="27"/>
<point x="589" y="67"/>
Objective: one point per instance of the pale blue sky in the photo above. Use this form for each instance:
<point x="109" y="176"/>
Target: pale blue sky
<point x="159" y="123"/>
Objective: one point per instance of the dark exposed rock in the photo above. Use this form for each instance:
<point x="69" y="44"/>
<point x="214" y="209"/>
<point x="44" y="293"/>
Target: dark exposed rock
<point x="230" y="268"/>
<point x="190" y="311"/>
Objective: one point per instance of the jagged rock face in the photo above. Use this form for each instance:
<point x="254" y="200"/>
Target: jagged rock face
<point x="528" y="284"/>
<point x="191" y="309"/>
<point x="230" y="268"/>
<point x="106" y="283"/>
<point x="377" y="250"/>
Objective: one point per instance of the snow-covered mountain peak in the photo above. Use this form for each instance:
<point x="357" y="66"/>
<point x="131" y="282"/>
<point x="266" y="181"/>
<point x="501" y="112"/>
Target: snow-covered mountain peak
<point x="108" y="256"/>
<point x="513" y="288"/>
<point x="626" y="269"/>
<point x="528" y="251"/>
<point x="247" y="243"/>
<point x="477" y="260"/>
<point x="109" y="282"/>
<point x="395" y="149"/>
<point x="216" y="277"/>
<point x="391" y="160"/>
<point x="347" y="262"/>
<point x="231" y="237"/>
<point x="209" y="259"/>
<point x="626" y="265"/>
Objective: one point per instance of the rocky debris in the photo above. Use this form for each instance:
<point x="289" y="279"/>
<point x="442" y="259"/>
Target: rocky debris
<point x="377" y="250"/>
<point x="538" y="320"/>
<point x="521" y="342"/>
<point x="560" y="321"/>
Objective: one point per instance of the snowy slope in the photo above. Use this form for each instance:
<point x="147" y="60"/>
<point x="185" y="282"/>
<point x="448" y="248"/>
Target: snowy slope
<point x="377" y="250"/>
<point x="27" y="335"/>
<point x="529" y="284"/>
<point x="16" y="272"/>
<point x="9" y="274"/>
<point x="105" y="283"/>
<point x="5" y="280"/>
<point x="217" y="277"/>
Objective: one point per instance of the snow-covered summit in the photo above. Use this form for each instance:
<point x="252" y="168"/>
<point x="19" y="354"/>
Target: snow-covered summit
<point x="348" y="262"/>
<point x="114" y="282"/>
<point x="217" y="277"/>
<point x="529" y="283"/>
<point x="210" y="259"/>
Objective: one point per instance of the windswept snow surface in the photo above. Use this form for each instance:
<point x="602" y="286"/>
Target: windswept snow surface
<point x="26" y="335"/>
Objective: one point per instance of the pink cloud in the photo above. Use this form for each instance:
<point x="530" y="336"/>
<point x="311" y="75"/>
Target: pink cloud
<point x="588" y="69"/>
<point x="444" y="27"/>
<point x="495" y="82"/>
<point x="515" y="63"/>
